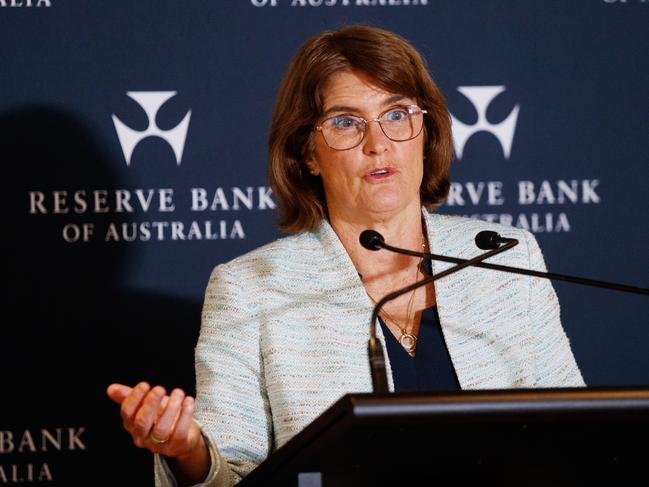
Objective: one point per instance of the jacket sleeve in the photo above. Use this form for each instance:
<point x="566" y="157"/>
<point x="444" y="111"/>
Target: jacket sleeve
<point x="231" y="402"/>
<point x="554" y="361"/>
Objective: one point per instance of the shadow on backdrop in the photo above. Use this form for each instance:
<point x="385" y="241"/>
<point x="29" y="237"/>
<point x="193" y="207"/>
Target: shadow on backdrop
<point x="75" y="328"/>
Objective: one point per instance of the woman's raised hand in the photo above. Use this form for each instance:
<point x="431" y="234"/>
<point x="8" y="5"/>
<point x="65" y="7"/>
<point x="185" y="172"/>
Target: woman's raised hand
<point x="163" y="424"/>
<point x="158" y="422"/>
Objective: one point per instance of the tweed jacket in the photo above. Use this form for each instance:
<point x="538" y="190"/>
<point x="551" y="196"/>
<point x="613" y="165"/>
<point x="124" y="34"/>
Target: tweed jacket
<point x="284" y="335"/>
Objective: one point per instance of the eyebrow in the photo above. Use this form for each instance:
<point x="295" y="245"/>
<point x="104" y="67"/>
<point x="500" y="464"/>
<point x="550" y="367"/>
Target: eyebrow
<point x="347" y="108"/>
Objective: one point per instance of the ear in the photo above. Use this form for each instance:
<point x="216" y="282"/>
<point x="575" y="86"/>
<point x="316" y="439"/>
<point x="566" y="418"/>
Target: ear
<point x="313" y="166"/>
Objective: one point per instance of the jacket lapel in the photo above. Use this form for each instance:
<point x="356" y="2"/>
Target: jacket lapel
<point x="345" y="276"/>
<point x="452" y="237"/>
<point x="482" y="313"/>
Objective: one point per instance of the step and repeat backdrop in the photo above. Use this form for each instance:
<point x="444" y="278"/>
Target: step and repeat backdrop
<point x="133" y="142"/>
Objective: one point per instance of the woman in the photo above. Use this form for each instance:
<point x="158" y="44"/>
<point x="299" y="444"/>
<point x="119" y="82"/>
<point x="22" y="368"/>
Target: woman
<point x="360" y="138"/>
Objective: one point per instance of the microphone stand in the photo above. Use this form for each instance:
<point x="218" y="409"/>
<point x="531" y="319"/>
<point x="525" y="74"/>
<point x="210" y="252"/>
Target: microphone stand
<point x="375" y="350"/>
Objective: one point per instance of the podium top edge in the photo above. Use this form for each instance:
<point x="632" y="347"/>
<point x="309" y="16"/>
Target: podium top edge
<point x="532" y="394"/>
<point x="514" y="400"/>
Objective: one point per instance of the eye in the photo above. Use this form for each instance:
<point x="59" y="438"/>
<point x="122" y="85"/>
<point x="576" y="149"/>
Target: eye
<point x="344" y="122"/>
<point x="396" y="115"/>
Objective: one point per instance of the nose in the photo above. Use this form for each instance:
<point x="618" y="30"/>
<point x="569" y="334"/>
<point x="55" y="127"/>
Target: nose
<point x="375" y="141"/>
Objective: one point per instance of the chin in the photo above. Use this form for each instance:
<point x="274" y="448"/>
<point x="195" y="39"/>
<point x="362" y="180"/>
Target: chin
<point x="390" y="205"/>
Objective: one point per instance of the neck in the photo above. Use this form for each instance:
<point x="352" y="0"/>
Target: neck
<point x="403" y="230"/>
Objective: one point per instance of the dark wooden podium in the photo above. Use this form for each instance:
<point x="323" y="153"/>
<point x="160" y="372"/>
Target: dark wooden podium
<point x="539" y="437"/>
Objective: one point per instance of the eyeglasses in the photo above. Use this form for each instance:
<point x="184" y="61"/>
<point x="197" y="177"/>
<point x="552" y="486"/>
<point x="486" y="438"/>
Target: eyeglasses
<point x="343" y="132"/>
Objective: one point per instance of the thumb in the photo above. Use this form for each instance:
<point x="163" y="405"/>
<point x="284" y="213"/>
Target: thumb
<point x="118" y="392"/>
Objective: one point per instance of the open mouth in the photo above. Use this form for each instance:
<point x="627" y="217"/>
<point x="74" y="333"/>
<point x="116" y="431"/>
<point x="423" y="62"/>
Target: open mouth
<point x="381" y="172"/>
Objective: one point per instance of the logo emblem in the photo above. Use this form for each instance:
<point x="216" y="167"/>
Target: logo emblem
<point x="481" y="97"/>
<point x="151" y="101"/>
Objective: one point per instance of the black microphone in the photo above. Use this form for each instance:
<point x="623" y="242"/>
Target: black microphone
<point x="486" y="239"/>
<point x="373" y="240"/>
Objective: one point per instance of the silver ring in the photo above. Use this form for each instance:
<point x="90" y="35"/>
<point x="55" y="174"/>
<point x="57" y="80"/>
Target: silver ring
<point x="157" y="441"/>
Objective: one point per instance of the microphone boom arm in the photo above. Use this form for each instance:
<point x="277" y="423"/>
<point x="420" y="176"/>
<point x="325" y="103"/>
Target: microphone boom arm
<point x="527" y="272"/>
<point x="373" y="240"/>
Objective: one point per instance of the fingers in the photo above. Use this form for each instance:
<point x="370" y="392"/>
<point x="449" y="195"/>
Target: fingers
<point x="118" y="392"/>
<point x="185" y="434"/>
<point x="147" y="413"/>
<point x="165" y="422"/>
<point x="185" y="420"/>
<point x="157" y="422"/>
<point x="131" y="404"/>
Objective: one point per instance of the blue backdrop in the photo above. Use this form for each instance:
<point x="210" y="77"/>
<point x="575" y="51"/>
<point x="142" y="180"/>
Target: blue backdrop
<point x="133" y="136"/>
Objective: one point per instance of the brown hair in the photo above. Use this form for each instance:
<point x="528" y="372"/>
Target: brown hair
<point x="395" y="66"/>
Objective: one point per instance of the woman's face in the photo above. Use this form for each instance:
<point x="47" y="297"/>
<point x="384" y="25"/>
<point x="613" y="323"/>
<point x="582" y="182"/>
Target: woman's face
<point x="378" y="178"/>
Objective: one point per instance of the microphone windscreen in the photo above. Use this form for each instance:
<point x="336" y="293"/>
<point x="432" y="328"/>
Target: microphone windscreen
<point x="371" y="239"/>
<point x="487" y="240"/>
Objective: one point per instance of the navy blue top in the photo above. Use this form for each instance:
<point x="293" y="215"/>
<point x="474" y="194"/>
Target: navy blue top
<point x="431" y="367"/>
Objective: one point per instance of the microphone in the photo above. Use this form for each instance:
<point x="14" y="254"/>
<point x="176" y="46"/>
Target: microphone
<point x="487" y="239"/>
<point x="373" y="240"/>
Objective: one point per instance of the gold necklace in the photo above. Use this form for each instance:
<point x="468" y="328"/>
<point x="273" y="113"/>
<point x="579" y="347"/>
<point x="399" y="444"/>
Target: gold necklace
<point x="407" y="339"/>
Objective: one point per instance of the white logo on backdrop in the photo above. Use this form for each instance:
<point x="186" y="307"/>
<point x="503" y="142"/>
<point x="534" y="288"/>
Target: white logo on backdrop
<point x="481" y="97"/>
<point x="25" y="3"/>
<point x="151" y="101"/>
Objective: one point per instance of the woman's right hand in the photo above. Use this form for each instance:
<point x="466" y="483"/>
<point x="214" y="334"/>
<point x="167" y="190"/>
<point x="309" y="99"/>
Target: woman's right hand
<point x="164" y="424"/>
<point x="160" y="423"/>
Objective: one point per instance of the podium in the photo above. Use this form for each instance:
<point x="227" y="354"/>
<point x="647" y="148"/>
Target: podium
<point x="531" y="437"/>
